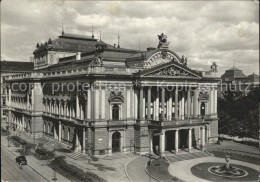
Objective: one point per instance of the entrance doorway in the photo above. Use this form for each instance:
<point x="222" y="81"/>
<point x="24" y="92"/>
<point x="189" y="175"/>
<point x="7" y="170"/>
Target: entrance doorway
<point x="183" y="139"/>
<point x="116" y="141"/>
<point x="170" y="140"/>
<point x="156" y="143"/>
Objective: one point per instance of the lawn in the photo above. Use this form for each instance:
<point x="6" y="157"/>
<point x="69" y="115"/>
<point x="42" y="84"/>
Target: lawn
<point x="201" y="171"/>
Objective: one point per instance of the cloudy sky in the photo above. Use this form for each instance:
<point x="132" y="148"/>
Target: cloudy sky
<point x="206" y="31"/>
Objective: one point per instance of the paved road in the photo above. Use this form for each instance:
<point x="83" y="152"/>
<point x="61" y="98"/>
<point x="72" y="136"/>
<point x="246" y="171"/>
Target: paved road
<point x="10" y="170"/>
<point x="136" y="170"/>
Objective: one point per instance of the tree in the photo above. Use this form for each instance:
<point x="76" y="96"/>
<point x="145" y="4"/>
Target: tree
<point x="238" y="113"/>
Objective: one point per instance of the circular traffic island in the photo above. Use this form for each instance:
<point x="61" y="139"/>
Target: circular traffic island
<point x="214" y="171"/>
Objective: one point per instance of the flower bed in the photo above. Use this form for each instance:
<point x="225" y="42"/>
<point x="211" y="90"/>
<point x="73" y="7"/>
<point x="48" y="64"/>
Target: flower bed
<point x="73" y="172"/>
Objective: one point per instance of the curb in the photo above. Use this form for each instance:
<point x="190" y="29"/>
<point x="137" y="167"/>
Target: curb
<point x="126" y="167"/>
<point x="150" y="174"/>
<point x="27" y="164"/>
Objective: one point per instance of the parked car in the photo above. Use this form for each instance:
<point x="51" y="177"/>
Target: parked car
<point x="21" y="160"/>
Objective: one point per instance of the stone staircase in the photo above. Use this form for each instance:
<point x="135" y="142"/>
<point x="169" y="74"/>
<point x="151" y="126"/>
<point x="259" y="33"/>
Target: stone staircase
<point x="51" y="143"/>
<point x="75" y="155"/>
<point x="186" y="156"/>
<point x="115" y="156"/>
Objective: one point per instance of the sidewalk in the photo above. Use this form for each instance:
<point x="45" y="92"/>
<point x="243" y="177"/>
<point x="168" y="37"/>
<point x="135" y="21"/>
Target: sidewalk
<point x="38" y="166"/>
<point x="110" y="170"/>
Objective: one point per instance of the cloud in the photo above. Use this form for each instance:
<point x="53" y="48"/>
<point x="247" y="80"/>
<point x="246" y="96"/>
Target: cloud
<point x="205" y="31"/>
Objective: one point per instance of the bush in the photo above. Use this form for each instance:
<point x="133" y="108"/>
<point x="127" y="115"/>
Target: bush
<point x="4" y="132"/>
<point x="73" y="172"/>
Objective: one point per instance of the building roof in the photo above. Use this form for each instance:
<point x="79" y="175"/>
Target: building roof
<point x="234" y="73"/>
<point x="16" y="66"/>
<point x="253" y="78"/>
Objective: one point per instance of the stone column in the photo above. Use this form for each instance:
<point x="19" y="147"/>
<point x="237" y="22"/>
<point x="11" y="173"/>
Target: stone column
<point x="176" y="141"/>
<point x="176" y="103"/>
<point x="141" y="93"/>
<point x="76" y="141"/>
<point x="163" y="103"/>
<point x="59" y="131"/>
<point x="84" y="141"/>
<point x="216" y="101"/>
<point x="211" y="102"/>
<point x="96" y="104"/>
<point x="170" y="107"/>
<point x="136" y="103"/>
<point x="149" y="103"/>
<point x="59" y="109"/>
<point x="209" y="134"/>
<point x="77" y="104"/>
<point x="189" y="103"/>
<point x="183" y="104"/>
<point x="128" y="101"/>
<point x="23" y="122"/>
<point x="162" y="143"/>
<point x="195" y="103"/>
<point x="103" y="104"/>
<point x="157" y="105"/>
<point x="203" y="137"/>
<point x="190" y="139"/>
<point x="54" y="132"/>
<point x="89" y="105"/>
<point x="151" y="141"/>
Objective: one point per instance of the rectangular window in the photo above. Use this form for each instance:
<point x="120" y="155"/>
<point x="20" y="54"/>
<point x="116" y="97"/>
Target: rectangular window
<point x="4" y="102"/>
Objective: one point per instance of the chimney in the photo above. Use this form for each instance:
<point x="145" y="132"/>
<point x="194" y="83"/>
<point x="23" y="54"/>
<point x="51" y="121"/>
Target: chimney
<point x="78" y="56"/>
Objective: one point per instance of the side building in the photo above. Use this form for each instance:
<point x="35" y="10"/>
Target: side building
<point x="101" y="99"/>
<point x="235" y="80"/>
<point x="8" y="68"/>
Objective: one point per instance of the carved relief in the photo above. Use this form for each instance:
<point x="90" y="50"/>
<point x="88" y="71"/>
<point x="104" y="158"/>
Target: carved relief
<point x="116" y="96"/>
<point x="204" y="95"/>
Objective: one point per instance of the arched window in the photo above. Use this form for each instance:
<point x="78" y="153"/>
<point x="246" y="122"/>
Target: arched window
<point x="62" y="132"/>
<point x="68" y="134"/>
<point x="115" y="112"/>
<point x="48" y="129"/>
<point x="202" y="109"/>
<point x="44" y="127"/>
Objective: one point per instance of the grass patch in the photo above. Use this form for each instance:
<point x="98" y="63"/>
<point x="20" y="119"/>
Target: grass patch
<point x="235" y="156"/>
<point x="201" y="171"/>
<point x="73" y="172"/>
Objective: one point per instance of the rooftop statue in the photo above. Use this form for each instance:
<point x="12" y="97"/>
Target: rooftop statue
<point x="163" y="43"/>
<point x="214" y="67"/>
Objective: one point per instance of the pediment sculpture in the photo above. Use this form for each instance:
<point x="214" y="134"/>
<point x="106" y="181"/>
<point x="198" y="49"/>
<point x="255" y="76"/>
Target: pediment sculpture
<point x="173" y="71"/>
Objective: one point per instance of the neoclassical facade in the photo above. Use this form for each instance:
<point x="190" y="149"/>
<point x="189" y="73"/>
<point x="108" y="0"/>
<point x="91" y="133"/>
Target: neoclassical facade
<point x="101" y="99"/>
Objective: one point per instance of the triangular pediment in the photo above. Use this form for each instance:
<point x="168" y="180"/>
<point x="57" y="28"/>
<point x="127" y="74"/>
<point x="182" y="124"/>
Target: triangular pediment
<point x="170" y="69"/>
